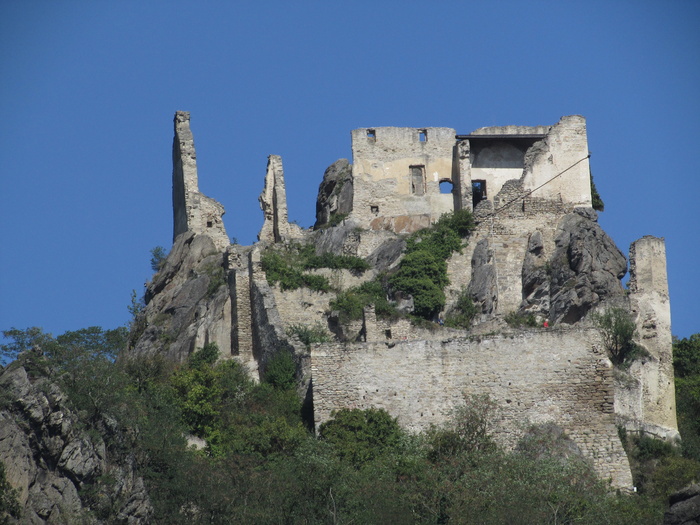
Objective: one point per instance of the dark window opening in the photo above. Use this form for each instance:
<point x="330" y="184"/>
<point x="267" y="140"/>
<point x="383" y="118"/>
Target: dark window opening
<point x="423" y="135"/>
<point x="387" y="334"/>
<point x="371" y="135"/>
<point x="374" y="209"/>
<point x="478" y="191"/>
<point x="417" y="180"/>
<point x="446" y="186"/>
<point x="209" y="224"/>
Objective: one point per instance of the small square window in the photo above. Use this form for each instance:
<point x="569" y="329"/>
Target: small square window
<point x="209" y="224"/>
<point x="374" y="209"/>
<point x="372" y="135"/>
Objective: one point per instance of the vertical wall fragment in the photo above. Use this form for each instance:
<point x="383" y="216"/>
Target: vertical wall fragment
<point x="192" y="210"/>
<point x="649" y="300"/>
<point x="273" y="202"/>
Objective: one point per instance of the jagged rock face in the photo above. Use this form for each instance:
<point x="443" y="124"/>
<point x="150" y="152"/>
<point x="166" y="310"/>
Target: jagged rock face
<point x="335" y="192"/>
<point x="187" y="301"/>
<point x="685" y="507"/>
<point x="536" y="271"/>
<point x="586" y="267"/>
<point x="49" y="458"/>
<point x="483" y="286"/>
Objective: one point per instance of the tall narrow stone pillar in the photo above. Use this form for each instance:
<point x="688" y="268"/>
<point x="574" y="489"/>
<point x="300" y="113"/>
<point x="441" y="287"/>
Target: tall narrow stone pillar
<point x="192" y="210"/>
<point x="650" y="301"/>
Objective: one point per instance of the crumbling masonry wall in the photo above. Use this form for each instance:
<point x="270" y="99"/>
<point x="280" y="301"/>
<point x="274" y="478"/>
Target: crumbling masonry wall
<point x="192" y="211"/>
<point x="557" y="376"/>
<point x="645" y="399"/>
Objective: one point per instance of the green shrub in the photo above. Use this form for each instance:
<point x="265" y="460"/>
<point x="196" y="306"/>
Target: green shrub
<point x="617" y="328"/>
<point x="351" y="303"/>
<point x="423" y="270"/>
<point x="596" y="202"/>
<point x="158" y="256"/>
<point x="360" y="436"/>
<point x="463" y="313"/>
<point x="518" y="320"/>
<point x="309" y="335"/>
<point x="280" y="371"/>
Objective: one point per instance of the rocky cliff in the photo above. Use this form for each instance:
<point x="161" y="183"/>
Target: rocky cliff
<point x="50" y="457"/>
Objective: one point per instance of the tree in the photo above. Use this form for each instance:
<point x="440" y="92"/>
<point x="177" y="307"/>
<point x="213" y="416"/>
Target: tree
<point x="617" y="329"/>
<point x="158" y="256"/>
<point x="359" y="436"/>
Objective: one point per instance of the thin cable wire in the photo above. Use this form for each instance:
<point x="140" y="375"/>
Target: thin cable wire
<point x="528" y="193"/>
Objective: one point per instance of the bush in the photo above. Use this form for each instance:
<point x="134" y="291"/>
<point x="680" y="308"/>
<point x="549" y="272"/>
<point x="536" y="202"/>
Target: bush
<point x="309" y="335"/>
<point x="463" y="312"/>
<point x="423" y="270"/>
<point x="351" y="303"/>
<point x="158" y="256"/>
<point x="359" y="436"/>
<point x="518" y="320"/>
<point x="280" y="371"/>
<point x="618" y="330"/>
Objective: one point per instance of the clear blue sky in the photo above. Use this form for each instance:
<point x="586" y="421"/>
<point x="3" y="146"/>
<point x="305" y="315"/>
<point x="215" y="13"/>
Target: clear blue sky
<point x="88" y="91"/>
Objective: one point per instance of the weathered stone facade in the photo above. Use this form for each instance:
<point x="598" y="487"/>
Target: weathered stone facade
<point x="540" y="376"/>
<point x="536" y="249"/>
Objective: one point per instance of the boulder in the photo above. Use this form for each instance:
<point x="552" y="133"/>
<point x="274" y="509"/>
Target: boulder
<point x="483" y="287"/>
<point x="334" y="193"/>
<point x="586" y="267"/>
<point x="684" y="507"/>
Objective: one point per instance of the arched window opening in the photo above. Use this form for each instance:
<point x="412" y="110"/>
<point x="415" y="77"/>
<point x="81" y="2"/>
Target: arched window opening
<point x="446" y="186"/>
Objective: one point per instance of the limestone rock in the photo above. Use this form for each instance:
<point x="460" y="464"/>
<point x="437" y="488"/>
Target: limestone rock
<point x="188" y="302"/>
<point x="684" y="507"/>
<point x="49" y="457"/>
<point x="334" y="193"/>
<point x="483" y="287"/>
<point x="536" y="270"/>
<point x="586" y="267"/>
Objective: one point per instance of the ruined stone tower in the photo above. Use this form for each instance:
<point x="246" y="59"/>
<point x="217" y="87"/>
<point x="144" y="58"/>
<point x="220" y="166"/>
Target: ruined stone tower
<point x="192" y="211"/>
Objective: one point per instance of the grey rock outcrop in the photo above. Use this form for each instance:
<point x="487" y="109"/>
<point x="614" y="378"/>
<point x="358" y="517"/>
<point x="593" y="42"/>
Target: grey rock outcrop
<point x="584" y="270"/>
<point x="586" y="267"/>
<point x="334" y="193"/>
<point x="188" y="302"/>
<point x="536" y="272"/>
<point x="684" y="507"/>
<point x="49" y="457"/>
<point x="483" y="287"/>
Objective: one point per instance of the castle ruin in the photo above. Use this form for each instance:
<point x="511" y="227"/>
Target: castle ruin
<point x="537" y="249"/>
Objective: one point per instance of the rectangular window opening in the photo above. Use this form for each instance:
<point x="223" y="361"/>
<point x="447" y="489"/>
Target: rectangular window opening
<point x="372" y="135"/>
<point x="478" y="191"/>
<point x="417" y="180"/>
<point x="209" y="224"/>
<point x="387" y="334"/>
<point x="374" y="209"/>
<point x="423" y="135"/>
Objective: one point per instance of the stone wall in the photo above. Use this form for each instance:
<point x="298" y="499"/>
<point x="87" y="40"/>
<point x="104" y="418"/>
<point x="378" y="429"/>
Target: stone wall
<point x="558" y="376"/>
<point x="655" y="398"/>
<point x="192" y="211"/>
<point x="396" y="176"/>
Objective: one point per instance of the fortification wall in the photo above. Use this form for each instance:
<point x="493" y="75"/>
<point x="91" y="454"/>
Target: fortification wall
<point x="558" y="376"/>
<point x="653" y="407"/>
